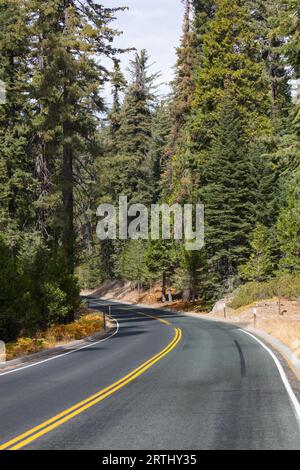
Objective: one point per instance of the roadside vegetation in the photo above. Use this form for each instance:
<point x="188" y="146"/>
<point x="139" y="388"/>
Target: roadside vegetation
<point x="86" y="325"/>
<point x="287" y="331"/>
<point x="286" y="286"/>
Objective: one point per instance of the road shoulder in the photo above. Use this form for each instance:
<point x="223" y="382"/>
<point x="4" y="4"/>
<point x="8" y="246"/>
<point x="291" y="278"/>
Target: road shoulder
<point x="57" y="351"/>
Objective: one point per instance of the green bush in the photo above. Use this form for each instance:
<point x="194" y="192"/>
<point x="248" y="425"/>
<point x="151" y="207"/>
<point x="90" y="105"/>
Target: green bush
<point x="251" y="292"/>
<point x="11" y="293"/>
<point x="36" y="288"/>
<point x="287" y="285"/>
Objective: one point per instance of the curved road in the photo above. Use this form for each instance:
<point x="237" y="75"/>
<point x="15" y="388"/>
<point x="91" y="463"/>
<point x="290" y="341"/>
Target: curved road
<point x="180" y="383"/>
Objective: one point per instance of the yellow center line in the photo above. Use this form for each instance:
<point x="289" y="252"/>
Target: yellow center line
<point x="162" y="320"/>
<point x="66" y="415"/>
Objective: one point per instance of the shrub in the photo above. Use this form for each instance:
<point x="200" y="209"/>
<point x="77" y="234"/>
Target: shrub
<point x="287" y="285"/>
<point x="24" y="346"/>
<point x="251" y="292"/>
<point x="85" y="326"/>
<point x="36" y="287"/>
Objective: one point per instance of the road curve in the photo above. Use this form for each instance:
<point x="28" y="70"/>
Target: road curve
<point x="182" y="383"/>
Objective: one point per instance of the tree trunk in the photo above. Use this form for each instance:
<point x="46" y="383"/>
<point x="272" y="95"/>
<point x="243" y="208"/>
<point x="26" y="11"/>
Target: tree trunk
<point x="164" y="288"/>
<point x="41" y="164"/>
<point x="186" y="294"/>
<point x="68" y="237"/>
<point x="43" y="178"/>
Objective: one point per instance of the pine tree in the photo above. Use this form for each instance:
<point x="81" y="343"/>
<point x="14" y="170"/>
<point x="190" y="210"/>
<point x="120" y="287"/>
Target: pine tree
<point x="70" y="35"/>
<point x="228" y="194"/>
<point x="231" y="56"/>
<point x="291" y="27"/>
<point x="188" y="276"/>
<point x="47" y="147"/>
<point x="204" y="12"/>
<point x="133" y="168"/>
<point x="267" y="15"/>
<point x="177" y="172"/>
<point x="183" y="85"/>
<point x="162" y="262"/>
<point x="16" y="164"/>
<point x="132" y="263"/>
<point x="288" y="226"/>
<point x="119" y="84"/>
<point x="160" y="131"/>
<point x="260" y="265"/>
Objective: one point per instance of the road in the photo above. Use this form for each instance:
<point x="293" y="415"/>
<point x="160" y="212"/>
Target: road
<point x="178" y="383"/>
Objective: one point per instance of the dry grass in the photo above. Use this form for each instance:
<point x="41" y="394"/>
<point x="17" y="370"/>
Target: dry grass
<point x="86" y="325"/>
<point x="285" y="328"/>
<point x="287" y="331"/>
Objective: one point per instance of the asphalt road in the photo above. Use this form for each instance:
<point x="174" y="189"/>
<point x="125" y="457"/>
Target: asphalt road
<point x="214" y="387"/>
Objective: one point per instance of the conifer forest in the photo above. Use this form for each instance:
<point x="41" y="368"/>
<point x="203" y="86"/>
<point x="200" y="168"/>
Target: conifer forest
<point x="226" y="136"/>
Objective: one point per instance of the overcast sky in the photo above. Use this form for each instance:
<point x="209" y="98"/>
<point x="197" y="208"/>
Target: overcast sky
<point x="154" y="25"/>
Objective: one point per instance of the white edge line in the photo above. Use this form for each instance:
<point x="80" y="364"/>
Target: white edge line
<point x="64" y="354"/>
<point x="283" y="376"/>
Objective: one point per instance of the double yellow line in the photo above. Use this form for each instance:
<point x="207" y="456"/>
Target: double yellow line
<point x="65" y="416"/>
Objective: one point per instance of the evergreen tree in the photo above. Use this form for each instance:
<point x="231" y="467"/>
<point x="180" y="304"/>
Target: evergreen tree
<point x="183" y="85"/>
<point x="160" y="131"/>
<point x="17" y="180"/>
<point x="162" y="261"/>
<point x="119" y="84"/>
<point x="188" y="276"/>
<point x="291" y="27"/>
<point x="134" y="170"/>
<point x="178" y="171"/>
<point x="231" y="57"/>
<point x="127" y="167"/>
<point x="132" y="263"/>
<point x="260" y="265"/>
<point x="267" y="15"/>
<point x="228" y="194"/>
<point x="288" y="226"/>
<point x="47" y="146"/>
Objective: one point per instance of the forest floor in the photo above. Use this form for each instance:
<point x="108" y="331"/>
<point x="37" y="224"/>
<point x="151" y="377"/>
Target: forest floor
<point x="285" y="326"/>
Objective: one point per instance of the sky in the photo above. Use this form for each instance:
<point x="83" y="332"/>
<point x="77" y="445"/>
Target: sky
<point x="155" y="25"/>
